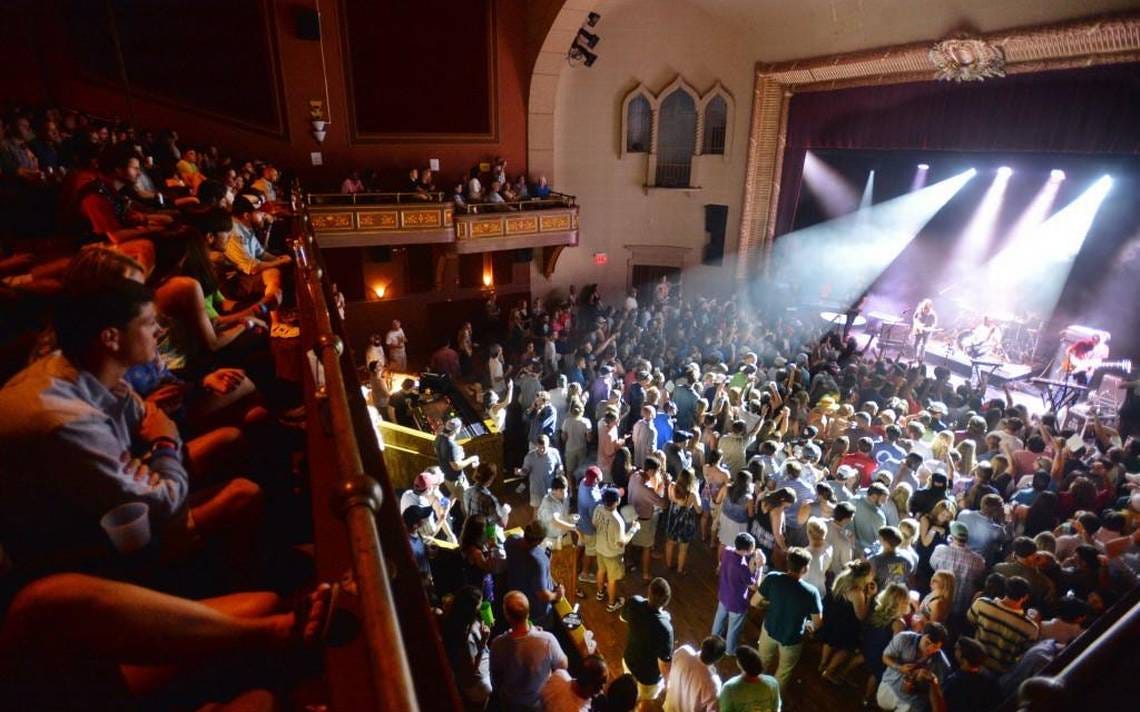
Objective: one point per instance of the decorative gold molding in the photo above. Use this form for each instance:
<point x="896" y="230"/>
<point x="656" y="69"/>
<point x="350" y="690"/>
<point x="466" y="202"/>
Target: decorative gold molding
<point x="1084" y="43"/>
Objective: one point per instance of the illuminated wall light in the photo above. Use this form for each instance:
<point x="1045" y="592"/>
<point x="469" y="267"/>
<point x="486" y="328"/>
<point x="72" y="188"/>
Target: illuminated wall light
<point x="487" y="280"/>
<point x="379" y="290"/>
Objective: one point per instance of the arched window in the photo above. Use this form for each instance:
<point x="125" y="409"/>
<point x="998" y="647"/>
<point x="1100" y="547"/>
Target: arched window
<point x="716" y="123"/>
<point x="638" y="121"/>
<point x="677" y="140"/>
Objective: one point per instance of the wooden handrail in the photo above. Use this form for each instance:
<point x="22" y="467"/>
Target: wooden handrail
<point x="1081" y="665"/>
<point x="557" y="200"/>
<point x="357" y="501"/>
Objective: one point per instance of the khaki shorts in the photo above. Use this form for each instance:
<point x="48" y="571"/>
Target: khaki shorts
<point x="646" y="692"/>
<point x="612" y="566"/>
<point x="646" y="534"/>
<point x="589" y="541"/>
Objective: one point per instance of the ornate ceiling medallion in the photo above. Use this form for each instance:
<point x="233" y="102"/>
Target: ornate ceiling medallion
<point x="967" y="60"/>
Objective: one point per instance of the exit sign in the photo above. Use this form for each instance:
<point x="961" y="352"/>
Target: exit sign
<point x="600" y="258"/>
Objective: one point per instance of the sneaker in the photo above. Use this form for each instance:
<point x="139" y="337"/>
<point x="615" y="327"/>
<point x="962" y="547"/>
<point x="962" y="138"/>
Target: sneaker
<point x="587" y="578"/>
<point x="580" y="593"/>
<point x="600" y="595"/>
<point x="616" y="605"/>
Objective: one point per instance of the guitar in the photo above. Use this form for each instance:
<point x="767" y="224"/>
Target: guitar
<point x="1073" y="364"/>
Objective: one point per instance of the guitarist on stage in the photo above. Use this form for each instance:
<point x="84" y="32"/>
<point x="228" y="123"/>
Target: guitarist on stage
<point x="1083" y="357"/>
<point x="923" y="324"/>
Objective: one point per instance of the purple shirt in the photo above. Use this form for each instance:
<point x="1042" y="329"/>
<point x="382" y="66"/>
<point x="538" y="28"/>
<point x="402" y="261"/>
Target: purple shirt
<point x="735" y="578"/>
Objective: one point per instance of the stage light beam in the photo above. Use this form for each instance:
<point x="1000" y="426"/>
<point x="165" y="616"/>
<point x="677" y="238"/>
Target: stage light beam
<point x="920" y="173"/>
<point x="842" y="257"/>
<point x="868" y="191"/>
<point x="1032" y="269"/>
<point x="980" y="230"/>
<point x="835" y="195"/>
<point x="1004" y="172"/>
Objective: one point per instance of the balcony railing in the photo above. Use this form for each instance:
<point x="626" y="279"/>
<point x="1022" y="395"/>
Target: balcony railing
<point x="359" y="536"/>
<point x="390" y="219"/>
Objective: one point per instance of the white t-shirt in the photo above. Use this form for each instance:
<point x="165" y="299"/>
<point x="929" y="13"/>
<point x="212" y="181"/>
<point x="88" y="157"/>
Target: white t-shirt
<point x="693" y="686"/>
<point x="574" y="432"/>
<point x="374" y="353"/>
<point x="558" y="694"/>
<point x="395" y="339"/>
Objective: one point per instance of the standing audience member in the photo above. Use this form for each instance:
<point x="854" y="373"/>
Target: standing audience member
<point x="739" y="568"/>
<point x="612" y="538"/>
<point x="1003" y="627"/>
<point x="693" y="684"/>
<point x="751" y="690"/>
<point x="649" y="641"/>
<point x="523" y="658"/>
<point x="794" y="607"/>
<point x="562" y="693"/>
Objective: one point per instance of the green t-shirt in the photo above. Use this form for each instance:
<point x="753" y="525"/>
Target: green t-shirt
<point x="741" y="694"/>
<point x="791" y="604"/>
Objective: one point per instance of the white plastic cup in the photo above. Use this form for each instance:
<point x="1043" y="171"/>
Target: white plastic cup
<point x="128" y="526"/>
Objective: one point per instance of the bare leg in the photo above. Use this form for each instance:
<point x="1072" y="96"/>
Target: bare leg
<point x="217" y="451"/>
<point x="645" y="576"/>
<point x="93" y="617"/>
<point x="273" y="294"/>
<point x="669" y="546"/>
<point x="682" y="557"/>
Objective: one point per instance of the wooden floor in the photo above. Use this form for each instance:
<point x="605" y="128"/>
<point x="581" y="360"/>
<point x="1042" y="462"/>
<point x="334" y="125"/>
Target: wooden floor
<point x="692" y="608"/>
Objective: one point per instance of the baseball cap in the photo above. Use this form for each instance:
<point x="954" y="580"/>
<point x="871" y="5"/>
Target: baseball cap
<point x="452" y="425"/>
<point x="610" y="495"/>
<point x="844" y="472"/>
<point x="426" y="480"/>
<point x="959" y="531"/>
<point x="415" y="514"/>
<point x="811" y="451"/>
<point x="593" y="474"/>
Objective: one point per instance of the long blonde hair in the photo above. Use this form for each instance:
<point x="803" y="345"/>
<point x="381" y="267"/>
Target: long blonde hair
<point x="900" y="495"/>
<point x="968" y="450"/>
<point x="888" y="604"/>
<point x="949" y="582"/>
<point x="942" y="444"/>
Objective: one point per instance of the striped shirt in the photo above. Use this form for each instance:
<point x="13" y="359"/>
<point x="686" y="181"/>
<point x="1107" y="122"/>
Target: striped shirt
<point x="1004" y="632"/>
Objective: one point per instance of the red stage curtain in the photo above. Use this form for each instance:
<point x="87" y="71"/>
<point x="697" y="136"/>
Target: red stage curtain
<point x="1094" y="110"/>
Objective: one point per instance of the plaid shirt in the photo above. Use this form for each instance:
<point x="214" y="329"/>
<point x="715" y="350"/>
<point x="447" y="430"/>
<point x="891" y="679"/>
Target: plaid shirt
<point x="967" y="567"/>
<point x="478" y="500"/>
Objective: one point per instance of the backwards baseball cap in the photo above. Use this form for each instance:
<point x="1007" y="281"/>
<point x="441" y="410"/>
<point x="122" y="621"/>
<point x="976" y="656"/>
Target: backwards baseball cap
<point x="452" y="425"/>
<point x="426" y="480"/>
<point x="845" y="472"/>
<point x="610" y="495"/>
<point x="959" y="531"/>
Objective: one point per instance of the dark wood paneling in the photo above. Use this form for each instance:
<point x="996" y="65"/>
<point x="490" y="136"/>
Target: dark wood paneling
<point x="216" y="57"/>
<point x="423" y="69"/>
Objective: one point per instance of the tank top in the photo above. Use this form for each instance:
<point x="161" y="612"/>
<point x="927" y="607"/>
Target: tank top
<point x="736" y="511"/>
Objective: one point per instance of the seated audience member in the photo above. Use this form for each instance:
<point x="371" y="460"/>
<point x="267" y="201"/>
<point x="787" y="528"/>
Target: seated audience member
<point x="352" y="184"/>
<point x="693" y="683"/>
<point x="77" y="441"/>
<point x="188" y="171"/>
<point x="541" y="189"/>
<point x="523" y="658"/>
<point x="562" y="693"/>
<point x="751" y="690"/>
<point x="266" y="183"/>
<point x="259" y="272"/>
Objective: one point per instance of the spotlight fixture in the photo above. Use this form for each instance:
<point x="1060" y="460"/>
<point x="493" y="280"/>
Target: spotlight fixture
<point x="1057" y="174"/>
<point x="592" y="19"/>
<point x="587" y="37"/>
<point x="1005" y="171"/>
<point x="923" y="166"/>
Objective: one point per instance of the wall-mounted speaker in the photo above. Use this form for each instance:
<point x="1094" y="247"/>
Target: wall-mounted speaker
<point x="308" y="24"/>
